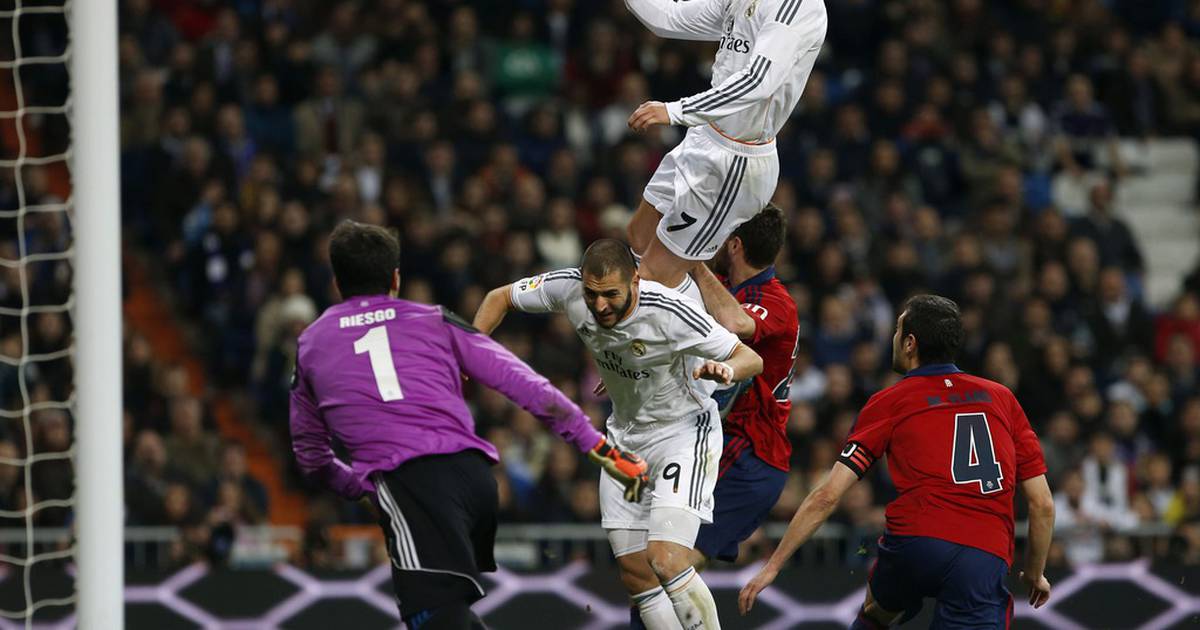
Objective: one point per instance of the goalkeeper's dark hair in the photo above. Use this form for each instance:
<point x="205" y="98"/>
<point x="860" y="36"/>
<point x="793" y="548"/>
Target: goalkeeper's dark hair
<point x="762" y="236"/>
<point x="363" y="257"/>
<point x="606" y="256"/>
<point x="937" y="325"/>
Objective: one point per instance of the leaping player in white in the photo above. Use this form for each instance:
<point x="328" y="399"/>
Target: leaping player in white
<point x="725" y="170"/>
<point x="652" y="346"/>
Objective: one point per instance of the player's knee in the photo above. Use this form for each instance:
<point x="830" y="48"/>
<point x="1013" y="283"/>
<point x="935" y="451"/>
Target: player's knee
<point x="671" y="537"/>
<point x="636" y="575"/>
<point x="667" y="559"/>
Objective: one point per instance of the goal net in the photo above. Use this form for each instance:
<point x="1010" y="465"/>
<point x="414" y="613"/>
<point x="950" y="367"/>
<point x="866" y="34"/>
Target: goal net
<point x="42" y="528"/>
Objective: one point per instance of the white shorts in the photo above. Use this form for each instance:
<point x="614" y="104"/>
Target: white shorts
<point x="682" y="457"/>
<point x="706" y="187"/>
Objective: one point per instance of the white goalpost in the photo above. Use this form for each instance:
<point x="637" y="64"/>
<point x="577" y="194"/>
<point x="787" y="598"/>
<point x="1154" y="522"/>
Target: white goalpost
<point x="99" y="489"/>
<point x="46" y="240"/>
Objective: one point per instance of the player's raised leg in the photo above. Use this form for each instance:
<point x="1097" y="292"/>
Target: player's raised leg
<point x="663" y="266"/>
<point x="701" y="192"/>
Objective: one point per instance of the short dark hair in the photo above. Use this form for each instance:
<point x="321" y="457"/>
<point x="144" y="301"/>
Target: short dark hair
<point x="762" y="236"/>
<point x="937" y="326"/>
<point x="606" y="256"/>
<point x="363" y="257"/>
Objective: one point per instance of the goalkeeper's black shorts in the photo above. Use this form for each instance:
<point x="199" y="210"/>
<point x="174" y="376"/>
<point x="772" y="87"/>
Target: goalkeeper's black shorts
<point x="438" y="514"/>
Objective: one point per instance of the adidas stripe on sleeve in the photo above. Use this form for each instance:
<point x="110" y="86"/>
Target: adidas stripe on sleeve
<point x="691" y="330"/>
<point x="778" y="44"/>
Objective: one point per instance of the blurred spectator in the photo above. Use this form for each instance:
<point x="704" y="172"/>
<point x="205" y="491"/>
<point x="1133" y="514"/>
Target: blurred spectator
<point x="244" y="495"/>
<point x="343" y="44"/>
<point x="1157" y="484"/>
<point x="553" y="496"/>
<point x="558" y="243"/>
<point x="1118" y="322"/>
<point x="1183" y="321"/>
<point x="1085" y="129"/>
<point x="330" y="122"/>
<point x="1111" y="236"/>
<point x="146" y="481"/>
<point x="1184" y="507"/>
<point x="525" y="70"/>
<point x="1079" y="523"/>
<point x="1106" y="482"/>
<point x="1060" y="446"/>
<point x="191" y="450"/>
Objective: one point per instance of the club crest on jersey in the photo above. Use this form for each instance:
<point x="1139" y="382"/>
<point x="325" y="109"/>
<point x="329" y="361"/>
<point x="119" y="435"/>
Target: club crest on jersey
<point x="637" y="348"/>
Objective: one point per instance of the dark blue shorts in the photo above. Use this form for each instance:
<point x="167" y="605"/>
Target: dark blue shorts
<point x="968" y="583"/>
<point x="742" y="499"/>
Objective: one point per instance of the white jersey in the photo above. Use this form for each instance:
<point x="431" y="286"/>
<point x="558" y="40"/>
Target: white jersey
<point x="766" y="52"/>
<point x="646" y="360"/>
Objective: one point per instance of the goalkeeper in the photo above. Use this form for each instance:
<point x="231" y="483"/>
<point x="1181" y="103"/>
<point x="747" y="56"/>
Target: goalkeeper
<point x="384" y="376"/>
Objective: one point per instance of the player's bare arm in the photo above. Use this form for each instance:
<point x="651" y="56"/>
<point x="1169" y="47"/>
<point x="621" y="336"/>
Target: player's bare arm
<point x="815" y="510"/>
<point x="721" y="304"/>
<point x="496" y="304"/>
<point x="743" y="363"/>
<point x="1041" y="527"/>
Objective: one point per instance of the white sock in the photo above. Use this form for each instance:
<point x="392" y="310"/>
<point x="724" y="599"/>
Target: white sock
<point x="656" y="610"/>
<point x="692" y="601"/>
<point x="689" y="288"/>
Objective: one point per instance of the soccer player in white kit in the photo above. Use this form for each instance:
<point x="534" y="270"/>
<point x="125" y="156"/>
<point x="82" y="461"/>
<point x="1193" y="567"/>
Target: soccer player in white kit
<point x="726" y="168"/>
<point x="651" y="344"/>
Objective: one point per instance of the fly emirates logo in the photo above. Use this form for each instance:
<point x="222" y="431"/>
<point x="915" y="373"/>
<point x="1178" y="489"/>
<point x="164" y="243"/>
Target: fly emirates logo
<point x="614" y="363"/>
<point x="735" y="44"/>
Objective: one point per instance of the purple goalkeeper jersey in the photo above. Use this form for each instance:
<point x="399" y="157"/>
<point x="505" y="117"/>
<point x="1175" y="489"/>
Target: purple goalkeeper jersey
<point x="385" y="376"/>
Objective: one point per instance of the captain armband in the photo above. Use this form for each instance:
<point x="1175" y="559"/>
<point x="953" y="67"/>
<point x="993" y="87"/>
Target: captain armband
<point x="857" y="457"/>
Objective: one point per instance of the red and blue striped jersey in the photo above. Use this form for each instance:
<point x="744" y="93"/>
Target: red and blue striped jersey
<point x="758" y="418"/>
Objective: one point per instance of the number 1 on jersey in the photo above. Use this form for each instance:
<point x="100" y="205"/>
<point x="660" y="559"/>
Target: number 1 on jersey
<point x="974" y="459"/>
<point x="375" y="344"/>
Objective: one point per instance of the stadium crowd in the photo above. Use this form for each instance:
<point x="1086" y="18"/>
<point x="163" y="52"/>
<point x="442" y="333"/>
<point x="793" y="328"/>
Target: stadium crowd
<point x="966" y="148"/>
